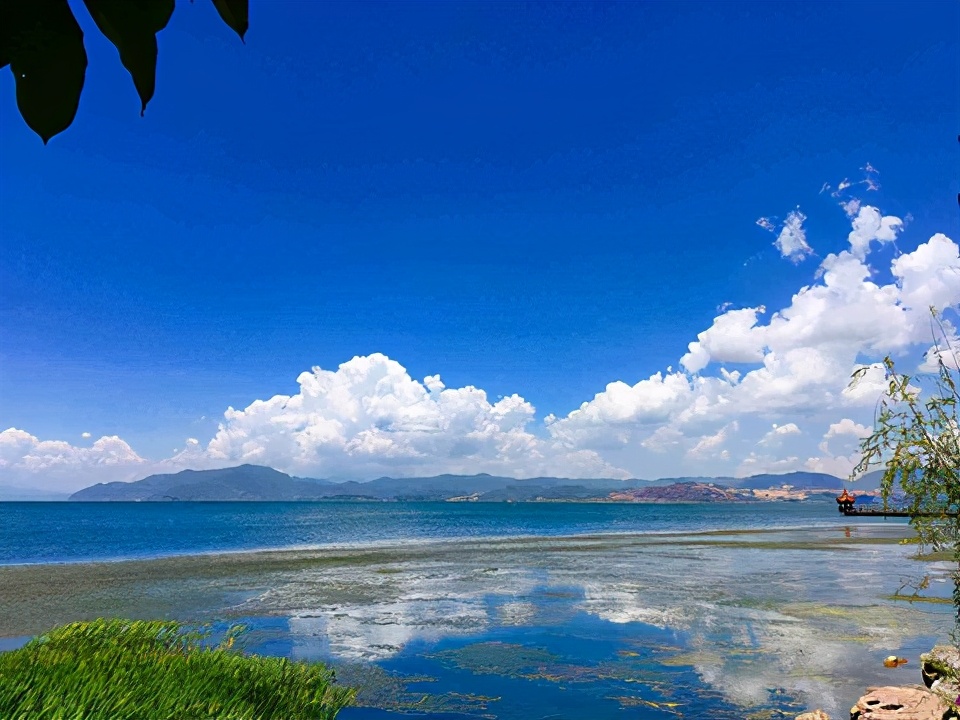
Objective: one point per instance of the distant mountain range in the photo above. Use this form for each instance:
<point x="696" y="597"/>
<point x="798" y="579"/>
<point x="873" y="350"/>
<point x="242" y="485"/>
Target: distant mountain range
<point x="256" y="483"/>
<point x="17" y="494"/>
<point x="246" y="482"/>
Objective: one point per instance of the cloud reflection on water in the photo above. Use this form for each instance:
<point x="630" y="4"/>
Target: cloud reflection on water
<point x="810" y="620"/>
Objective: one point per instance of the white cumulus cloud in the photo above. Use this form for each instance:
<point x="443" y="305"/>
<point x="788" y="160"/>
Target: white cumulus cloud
<point x="870" y="226"/>
<point x="839" y="448"/>
<point x="370" y="417"/>
<point x="796" y="366"/>
<point x="712" y="445"/>
<point x="792" y="240"/>
<point x="27" y="461"/>
<point x="732" y="338"/>
<point x="774" y="437"/>
<point x="846" y="426"/>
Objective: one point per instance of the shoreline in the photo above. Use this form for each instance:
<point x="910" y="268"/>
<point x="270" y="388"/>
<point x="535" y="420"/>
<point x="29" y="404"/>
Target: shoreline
<point x="36" y="596"/>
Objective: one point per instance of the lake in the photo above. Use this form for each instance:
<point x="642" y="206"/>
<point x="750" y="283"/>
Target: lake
<point x="511" y="611"/>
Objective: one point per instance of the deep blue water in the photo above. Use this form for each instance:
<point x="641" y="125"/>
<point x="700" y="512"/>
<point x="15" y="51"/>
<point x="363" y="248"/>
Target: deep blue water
<point x="68" y="532"/>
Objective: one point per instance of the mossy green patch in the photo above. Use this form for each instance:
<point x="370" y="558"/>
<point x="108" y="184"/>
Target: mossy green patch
<point x="856" y="615"/>
<point x="630" y="701"/>
<point x="498" y="658"/>
<point x="693" y="658"/>
<point x="936" y="556"/>
<point x="919" y="599"/>
<point x="381" y="689"/>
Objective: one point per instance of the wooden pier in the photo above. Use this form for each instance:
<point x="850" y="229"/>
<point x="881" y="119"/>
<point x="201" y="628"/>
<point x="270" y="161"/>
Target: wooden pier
<point x="864" y="512"/>
<point x="845" y="502"/>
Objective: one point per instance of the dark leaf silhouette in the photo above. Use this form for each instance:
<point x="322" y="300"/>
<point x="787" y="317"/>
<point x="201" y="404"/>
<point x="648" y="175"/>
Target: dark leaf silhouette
<point x="43" y="44"/>
<point x="132" y="28"/>
<point x="234" y="14"/>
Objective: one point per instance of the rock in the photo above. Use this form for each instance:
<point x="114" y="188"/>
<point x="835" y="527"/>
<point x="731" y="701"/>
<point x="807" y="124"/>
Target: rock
<point x="940" y="665"/>
<point x="910" y="702"/>
<point x="814" y="715"/>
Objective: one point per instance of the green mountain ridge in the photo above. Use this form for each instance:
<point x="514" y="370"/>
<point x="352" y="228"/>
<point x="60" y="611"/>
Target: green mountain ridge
<point x="258" y="483"/>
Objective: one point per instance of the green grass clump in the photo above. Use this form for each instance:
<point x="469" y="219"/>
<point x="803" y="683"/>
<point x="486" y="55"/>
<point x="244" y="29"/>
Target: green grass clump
<point x="122" y="669"/>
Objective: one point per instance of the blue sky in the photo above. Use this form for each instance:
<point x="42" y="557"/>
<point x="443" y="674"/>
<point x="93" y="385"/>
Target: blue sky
<point x="534" y="199"/>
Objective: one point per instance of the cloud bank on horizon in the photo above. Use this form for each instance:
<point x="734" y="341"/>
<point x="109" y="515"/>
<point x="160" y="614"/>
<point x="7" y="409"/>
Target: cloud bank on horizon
<point x="749" y="395"/>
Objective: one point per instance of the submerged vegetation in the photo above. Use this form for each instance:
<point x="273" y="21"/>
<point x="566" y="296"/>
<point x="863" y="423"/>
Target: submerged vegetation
<point x="118" y="669"/>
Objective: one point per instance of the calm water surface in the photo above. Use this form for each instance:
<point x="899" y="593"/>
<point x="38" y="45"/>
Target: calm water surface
<point x="69" y="532"/>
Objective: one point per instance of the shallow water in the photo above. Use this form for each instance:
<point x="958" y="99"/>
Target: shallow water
<point x="722" y="626"/>
<point x="729" y="624"/>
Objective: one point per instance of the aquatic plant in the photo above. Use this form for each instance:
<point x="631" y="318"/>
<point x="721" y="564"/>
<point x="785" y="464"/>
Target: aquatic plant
<point x="121" y="669"/>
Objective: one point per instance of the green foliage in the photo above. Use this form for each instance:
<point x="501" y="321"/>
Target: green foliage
<point x="121" y="669"/>
<point x="235" y="14"/>
<point x="133" y="28"/>
<point x="43" y="44"/>
<point x="917" y="439"/>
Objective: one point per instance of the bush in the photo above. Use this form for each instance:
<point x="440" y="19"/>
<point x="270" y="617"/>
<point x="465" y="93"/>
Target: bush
<point x="120" y="669"/>
<point x="916" y="439"/>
